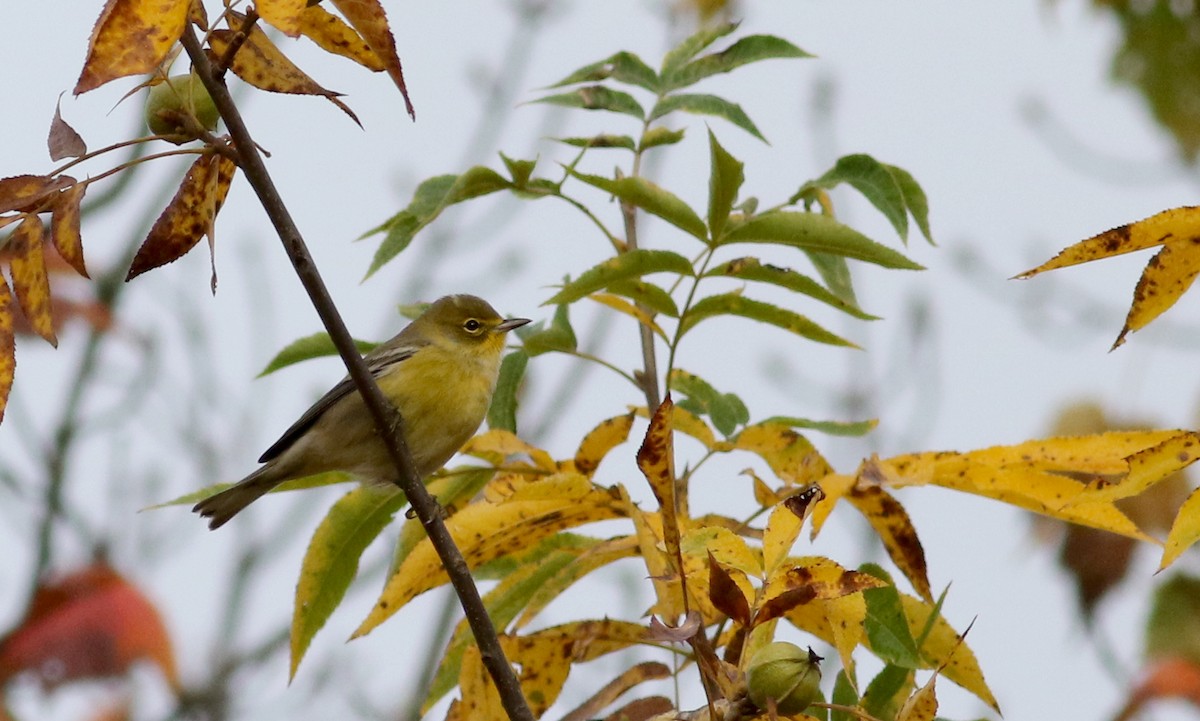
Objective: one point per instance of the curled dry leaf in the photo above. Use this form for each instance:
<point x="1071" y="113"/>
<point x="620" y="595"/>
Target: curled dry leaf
<point x="64" y="142"/>
<point x="661" y="632"/>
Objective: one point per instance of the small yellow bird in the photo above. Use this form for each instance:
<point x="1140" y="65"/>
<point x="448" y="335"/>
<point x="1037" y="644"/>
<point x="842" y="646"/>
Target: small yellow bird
<point x="439" y="372"/>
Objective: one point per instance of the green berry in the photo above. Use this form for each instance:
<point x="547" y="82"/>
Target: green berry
<point x="169" y="102"/>
<point x="784" y="672"/>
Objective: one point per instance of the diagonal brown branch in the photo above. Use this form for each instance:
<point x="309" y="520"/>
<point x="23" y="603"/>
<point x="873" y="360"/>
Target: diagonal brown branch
<point x="385" y="415"/>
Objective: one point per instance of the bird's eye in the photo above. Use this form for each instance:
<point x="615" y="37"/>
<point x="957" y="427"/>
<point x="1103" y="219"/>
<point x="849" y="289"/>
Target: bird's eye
<point x="472" y="325"/>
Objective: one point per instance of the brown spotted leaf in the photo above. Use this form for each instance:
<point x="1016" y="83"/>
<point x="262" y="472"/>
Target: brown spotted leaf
<point x="893" y="526"/>
<point x="29" y="278"/>
<point x="260" y="63"/>
<point x="486" y="530"/>
<point x="606" y="696"/>
<point x="25" y="192"/>
<point x="131" y="37"/>
<point x="368" y="18"/>
<point x="333" y="35"/>
<point x="64" y="142"/>
<point x="283" y="15"/>
<point x="189" y="216"/>
<point x="65" y="228"/>
<point x="807" y="579"/>
<point x="8" y="356"/>
<point x="599" y="441"/>
<point x="656" y="461"/>
<point x="725" y="594"/>
<point x="790" y="455"/>
<point x="1168" y="274"/>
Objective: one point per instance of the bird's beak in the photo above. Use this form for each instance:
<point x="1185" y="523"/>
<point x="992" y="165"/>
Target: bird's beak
<point x="511" y="323"/>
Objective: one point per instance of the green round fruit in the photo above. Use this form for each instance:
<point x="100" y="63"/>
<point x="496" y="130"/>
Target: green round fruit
<point x="178" y="96"/>
<point x="784" y="672"/>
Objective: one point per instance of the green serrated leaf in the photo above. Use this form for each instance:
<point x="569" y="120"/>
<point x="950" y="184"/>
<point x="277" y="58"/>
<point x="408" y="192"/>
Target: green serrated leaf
<point x="431" y="198"/>
<point x="736" y="304"/>
<point x="597" y="97"/>
<point x="724" y="181"/>
<point x="833" y="428"/>
<point x="331" y="561"/>
<point x="887" y="691"/>
<point x="519" y="170"/>
<point x="914" y="199"/>
<point x="559" y="336"/>
<point x="835" y="271"/>
<point x="503" y="411"/>
<point x="706" y="105"/>
<point x="875" y="181"/>
<point x="886" y="625"/>
<point x="648" y="294"/>
<point x="316" y="345"/>
<point x="819" y="233"/>
<point x="658" y="135"/>
<point x="753" y="269"/>
<point x="686" y="50"/>
<point x="623" y="67"/>
<point x="750" y="49"/>
<point x="601" y="141"/>
<point x="651" y="198"/>
<point x="626" y="266"/>
<point x="726" y="410"/>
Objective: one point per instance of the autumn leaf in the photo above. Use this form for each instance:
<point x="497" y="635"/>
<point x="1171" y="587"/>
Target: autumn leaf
<point x="892" y="524"/>
<point x="8" y="355"/>
<point x="65" y="227"/>
<point x="283" y="15"/>
<point x="807" y="579"/>
<point x="63" y="141"/>
<point x="32" y="285"/>
<point x="599" y="441"/>
<point x="189" y="216"/>
<point x="131" y="37"/>
<point x="725" y="593"/>
<point x="790" y="455"/>
<point x="333" y="35"/>
<point x="1167" y="276"/>
<point x="88" y="625"/>
<point x="25" y="192"/>
<point x="260" y="63"/>
<point x="369" y="19"/>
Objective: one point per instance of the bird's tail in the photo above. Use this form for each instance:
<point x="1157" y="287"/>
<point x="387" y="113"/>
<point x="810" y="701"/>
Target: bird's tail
<point x="229" y="502"/>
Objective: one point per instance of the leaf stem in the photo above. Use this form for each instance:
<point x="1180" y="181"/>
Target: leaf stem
<point x="387" y="420"/>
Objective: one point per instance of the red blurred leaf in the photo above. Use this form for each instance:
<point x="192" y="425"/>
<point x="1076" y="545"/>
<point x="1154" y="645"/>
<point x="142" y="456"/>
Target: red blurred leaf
<point x="8" y="357"/>
<point x="64" y="227"/>
<point x="1166" y="678"/>
<point x="32" y="285"/>
<point x="260" y="63"/>
<point x="368" y="18"/>
<point x="131" y="37"/>
<point x="64" y="142"/>
<point x="189" y="216"/>
<point x="22" y="192"/>
<point x="91" y="624"/>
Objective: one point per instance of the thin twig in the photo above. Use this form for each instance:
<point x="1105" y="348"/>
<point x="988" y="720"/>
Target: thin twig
<point x="387" y="420"/>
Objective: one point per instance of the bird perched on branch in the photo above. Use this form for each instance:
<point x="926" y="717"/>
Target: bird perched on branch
<point x="439" y="372"/>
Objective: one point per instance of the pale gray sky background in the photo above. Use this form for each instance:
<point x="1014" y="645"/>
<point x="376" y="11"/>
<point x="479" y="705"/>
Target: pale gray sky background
<point x="939" y="88"/>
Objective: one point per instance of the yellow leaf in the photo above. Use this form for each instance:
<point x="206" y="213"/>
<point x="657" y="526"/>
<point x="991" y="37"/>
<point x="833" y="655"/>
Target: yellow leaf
<point x="598" y="556"/>
<point x="8" y="356"/>
<point x="333" y="35"/>
<point x="802" y="580"/>
<point x="498" y="444"/>
<point x="656" y="461"/>
<point x="945" y="649"/>
<point x="369" y="19"/>
<point x="1146" y="468"/>
<point x="764" y="495"/>
<point x="29" y="278"/>
<point x="893" y="526"/>
<point x="1185" y="531"/>
<point x="835" y="486"/>
<point x="726" y="546"/>
<point x="922" y="705"/>
<point x="283" y="15"/>
<point x="64" y="227"/>
<point x="485" y="531"/>
<point x="131" y="37"/>
<point x="1166" y="278"/>
<point x="783" y="527"/>
<point x="791" y="457"/>
<point x="599" y="441"/>
<point x="847" y="618"/>
<point x="621" y="305"/>
<point x="1146" y="233"/>
<point x="480" y="701"/>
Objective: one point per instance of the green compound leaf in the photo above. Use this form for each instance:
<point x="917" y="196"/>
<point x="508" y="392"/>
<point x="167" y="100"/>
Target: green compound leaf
<point x="914" y="199"/>
<point x="686" y="50"/>
<point x="597" y="97"/>
<point x="503" y="411"/>
<point x="726" y="410"/>
<point x="651" y="198"/>
<point x="626" y="266"/>
<point x="559" y="336"/>
<point x="623" y="67"/>
<point x="658" y="135"/>
<point x="819" y="233"/>
<point x="707" y="105"/>
<point x="753" y="269"/>
<point x="736" y="304"/>
<point x="886" y="625"/>
<point x="316" y="345"/>
<point x="331" y="561"/>
<point x="601" y="141"/>
<point x="430" y="199"/>
<point x="875" y="181"/>
<point x="724" y="181"/>
<point x="750" y="49"/>
<point x="648" y="294"/>
<point x="833" y="428"/>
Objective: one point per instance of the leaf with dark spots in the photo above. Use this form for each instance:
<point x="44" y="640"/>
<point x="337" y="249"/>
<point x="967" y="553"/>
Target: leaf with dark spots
<point x="725" y="594"/>
<point x="802" y="503"/>
<point x="891" y="522"/>
<point x="25" y="192"/>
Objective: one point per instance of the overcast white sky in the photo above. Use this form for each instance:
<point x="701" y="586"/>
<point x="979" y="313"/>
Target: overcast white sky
<point x="935" y="87"/>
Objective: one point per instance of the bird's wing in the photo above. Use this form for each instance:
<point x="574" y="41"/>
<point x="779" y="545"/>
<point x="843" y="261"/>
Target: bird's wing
<point x="379" y="361"/>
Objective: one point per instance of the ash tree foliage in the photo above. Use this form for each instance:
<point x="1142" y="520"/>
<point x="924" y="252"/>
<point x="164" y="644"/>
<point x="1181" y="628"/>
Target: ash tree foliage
<point x="721" y="587"/>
